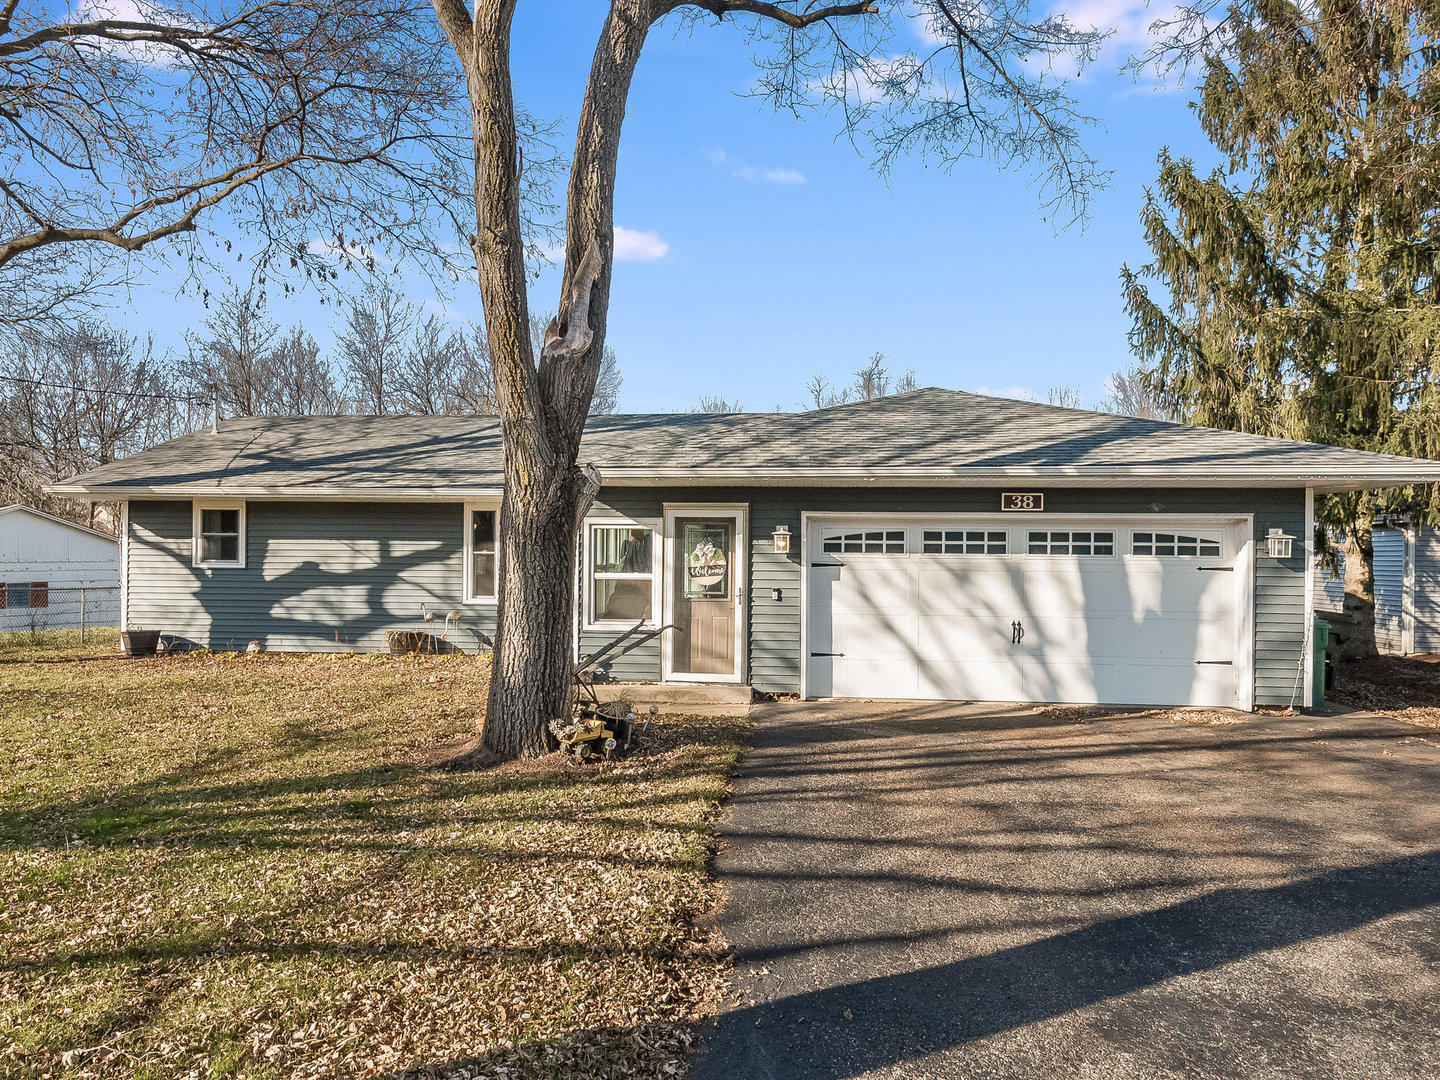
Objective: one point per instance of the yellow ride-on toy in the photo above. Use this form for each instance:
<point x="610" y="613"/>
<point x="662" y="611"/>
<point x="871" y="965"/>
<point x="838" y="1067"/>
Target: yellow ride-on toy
<point x="595" y="733"/>
<point x="595" y="728"/>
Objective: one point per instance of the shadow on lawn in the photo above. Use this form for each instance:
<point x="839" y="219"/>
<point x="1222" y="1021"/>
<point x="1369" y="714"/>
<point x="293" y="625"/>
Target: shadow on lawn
<point x="289" y="807"/>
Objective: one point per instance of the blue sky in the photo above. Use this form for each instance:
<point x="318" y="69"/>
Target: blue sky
<point x="763" y="249"/>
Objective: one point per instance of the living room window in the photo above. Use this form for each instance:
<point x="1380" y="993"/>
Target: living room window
<point x="219" y="534"/>
<point x="620" y="565"/>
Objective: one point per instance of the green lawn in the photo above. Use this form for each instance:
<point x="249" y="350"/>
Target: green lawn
<point x="250" y="866"/>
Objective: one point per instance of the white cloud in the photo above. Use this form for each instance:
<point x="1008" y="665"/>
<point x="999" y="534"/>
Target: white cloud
<point x="141" y="52"/>
<point x="633" y="245"/>
<point x="752" y="173"/>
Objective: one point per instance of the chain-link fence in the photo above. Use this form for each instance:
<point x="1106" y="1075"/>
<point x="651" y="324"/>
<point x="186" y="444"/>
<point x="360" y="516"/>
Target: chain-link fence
<point x="40" y="608"/>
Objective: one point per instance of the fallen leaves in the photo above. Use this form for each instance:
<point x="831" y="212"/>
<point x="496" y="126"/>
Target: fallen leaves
<point x="247" y="866"/>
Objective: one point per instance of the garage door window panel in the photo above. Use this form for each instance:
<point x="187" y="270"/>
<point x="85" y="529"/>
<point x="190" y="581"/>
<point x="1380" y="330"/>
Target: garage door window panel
<point x="1088" y="542"/>
<point x="964" y="542"/>
<point x="1174" y="545"/>
<point x="864" y="542"/>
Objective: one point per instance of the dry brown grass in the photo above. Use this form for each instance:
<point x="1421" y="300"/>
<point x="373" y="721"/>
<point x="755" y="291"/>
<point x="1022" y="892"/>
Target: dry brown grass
<point x="1403" y="687"/>
<point x="250" y="866"/>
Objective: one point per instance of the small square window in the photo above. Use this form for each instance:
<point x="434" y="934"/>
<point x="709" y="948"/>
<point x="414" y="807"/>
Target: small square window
<point x="219" y="535"/>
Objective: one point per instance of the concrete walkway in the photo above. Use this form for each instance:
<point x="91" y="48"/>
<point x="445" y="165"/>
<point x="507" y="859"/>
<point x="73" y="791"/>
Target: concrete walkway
<point x="967" y="892"/>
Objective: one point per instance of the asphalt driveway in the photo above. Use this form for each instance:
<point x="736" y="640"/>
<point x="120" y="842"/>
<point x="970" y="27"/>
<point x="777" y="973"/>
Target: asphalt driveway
<point x="966" y="892"/>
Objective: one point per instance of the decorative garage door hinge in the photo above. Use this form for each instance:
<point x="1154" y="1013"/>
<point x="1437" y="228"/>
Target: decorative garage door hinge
<point x="827" y="654"/>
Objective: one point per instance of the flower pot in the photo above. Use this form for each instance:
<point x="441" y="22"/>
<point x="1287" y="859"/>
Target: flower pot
<point x="140" y="642"/>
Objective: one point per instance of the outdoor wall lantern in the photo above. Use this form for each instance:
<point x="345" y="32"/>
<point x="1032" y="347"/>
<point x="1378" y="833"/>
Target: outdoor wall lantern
<point x="781" y="536"/>
<point x="1277" y="544"/>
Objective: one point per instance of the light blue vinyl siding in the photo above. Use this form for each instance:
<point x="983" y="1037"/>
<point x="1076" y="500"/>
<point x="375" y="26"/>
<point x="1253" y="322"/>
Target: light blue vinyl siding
<point x="317" y="576"/>
<point x="337" y="576"/>
<point x="1389" y="567"/>
<point x="1426" y="598"/>
<point x="774" y="625"/>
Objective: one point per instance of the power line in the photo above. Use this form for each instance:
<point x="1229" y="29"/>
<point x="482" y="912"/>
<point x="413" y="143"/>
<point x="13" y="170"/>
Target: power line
<point x="188" y="399"/>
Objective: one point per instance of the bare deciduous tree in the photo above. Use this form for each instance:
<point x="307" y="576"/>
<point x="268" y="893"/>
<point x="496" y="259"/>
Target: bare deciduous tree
<point x="1130" y="393"/>
<point x="1067" y="397"/>
<point x="74" y="398"/>
<point x="234" y="358"/>
<point x="426" y="380"/>
<point x="718" y="405"/>
<point x="475" y="390"/>
<point x="325" y="130"/>
<point x="378" y="325"/>
<point x="302" y="381"/>
<point x="975" y="86"/>
<point x="870" y="382"/>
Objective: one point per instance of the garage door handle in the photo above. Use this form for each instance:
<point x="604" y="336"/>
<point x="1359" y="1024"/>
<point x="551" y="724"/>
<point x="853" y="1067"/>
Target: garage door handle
<point x="827" y="654"/>
<point x="1017" y="632"/>
<point x="1226" y="663"/>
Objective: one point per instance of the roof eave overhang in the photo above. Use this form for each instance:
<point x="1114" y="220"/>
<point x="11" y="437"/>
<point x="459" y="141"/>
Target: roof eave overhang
<point x="302" y="493"/>
<point x="1321" y="481"/>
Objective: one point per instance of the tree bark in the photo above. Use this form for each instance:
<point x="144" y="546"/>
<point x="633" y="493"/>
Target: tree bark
<point x="543" y="405"/>
<point x="1360" y="591"/>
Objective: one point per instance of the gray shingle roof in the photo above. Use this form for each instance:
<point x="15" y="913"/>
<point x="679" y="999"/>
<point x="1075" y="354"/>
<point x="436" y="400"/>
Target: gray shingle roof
<point x="926" y="437"/>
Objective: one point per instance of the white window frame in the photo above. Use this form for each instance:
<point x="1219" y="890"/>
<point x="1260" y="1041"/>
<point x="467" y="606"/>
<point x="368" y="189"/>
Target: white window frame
<point x="885" y="541"/>
<point x="1115" y="535"/>
<point x="196" y="547"/>
<point x="1006" y="539"/>
<point x="493" y="506"/>
<point x="1217" y="538"/>
<point x="657" y="555"/>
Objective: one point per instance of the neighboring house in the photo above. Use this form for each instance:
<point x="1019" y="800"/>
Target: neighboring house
<point x="929" y="545"/>
<point x="47" y="564"/>
<point x="1407" y="588"/>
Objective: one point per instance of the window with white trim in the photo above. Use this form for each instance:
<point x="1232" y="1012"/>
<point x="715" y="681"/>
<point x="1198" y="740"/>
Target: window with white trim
<point x="482" y="558"/>
<point x="1070" y="542"/>
<point x="868" y="542"/>
<point x="219" y="534"/>
<point x="622" y="574"/>
<point x="964" y="542"/>
<point x="1174" y="544"/>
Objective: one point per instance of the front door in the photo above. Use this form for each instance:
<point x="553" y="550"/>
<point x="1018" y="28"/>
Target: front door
<point x="706" y="596"/>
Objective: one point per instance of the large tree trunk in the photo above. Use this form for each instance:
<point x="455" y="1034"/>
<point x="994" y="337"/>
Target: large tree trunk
<point x="1360" y="591"/>
<point x="543" y="405"/>
<point x="530" y="682"/>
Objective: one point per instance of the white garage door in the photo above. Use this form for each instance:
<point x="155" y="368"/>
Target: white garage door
<point x="1087" y="612"/>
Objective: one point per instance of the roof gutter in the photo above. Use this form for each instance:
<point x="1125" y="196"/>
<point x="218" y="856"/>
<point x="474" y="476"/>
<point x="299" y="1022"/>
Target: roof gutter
<point x="1423" y="472"/>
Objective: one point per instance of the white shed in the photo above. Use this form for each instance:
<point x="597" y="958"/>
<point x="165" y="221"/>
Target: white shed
<point x="54" y="572"/>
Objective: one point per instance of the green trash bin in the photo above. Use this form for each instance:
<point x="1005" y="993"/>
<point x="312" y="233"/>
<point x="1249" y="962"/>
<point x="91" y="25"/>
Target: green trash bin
<point x="1321" y="643"/>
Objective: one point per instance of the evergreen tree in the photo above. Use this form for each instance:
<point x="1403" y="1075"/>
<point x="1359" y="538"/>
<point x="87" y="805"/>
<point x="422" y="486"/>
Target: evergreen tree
<point x="1300" y="277"/>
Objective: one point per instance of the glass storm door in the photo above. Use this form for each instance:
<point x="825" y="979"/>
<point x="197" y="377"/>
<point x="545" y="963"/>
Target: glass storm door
<point x="706" y="593"/>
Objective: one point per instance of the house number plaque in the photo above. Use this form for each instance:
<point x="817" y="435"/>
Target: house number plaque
<point x="1018" y="500"/>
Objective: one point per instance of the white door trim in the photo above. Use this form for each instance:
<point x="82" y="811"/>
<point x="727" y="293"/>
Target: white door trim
<point x="1307" y="637"/>
<point x="738" y="513"/>
<point x="1241" y="527"/>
